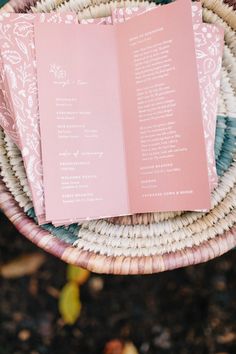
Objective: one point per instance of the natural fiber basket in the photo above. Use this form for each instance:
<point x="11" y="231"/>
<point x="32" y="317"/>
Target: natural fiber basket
<point x="146" y="243"/>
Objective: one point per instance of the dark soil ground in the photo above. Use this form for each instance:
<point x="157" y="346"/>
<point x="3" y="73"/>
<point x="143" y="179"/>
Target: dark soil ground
<point x="187" y="311"/>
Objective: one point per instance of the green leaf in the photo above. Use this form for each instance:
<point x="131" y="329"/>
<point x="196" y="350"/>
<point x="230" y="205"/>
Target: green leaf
<point x="77" y="274"/>
<point x="69" y="303"/>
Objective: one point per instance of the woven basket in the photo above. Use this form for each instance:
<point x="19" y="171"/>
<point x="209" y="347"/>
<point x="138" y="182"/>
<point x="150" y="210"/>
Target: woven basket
<point x="146" y="243"/>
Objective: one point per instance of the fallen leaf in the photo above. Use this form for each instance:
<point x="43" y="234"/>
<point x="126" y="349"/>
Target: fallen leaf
<point x="69" y="303"/>
<point x="227" y="338"/>
<point x="53" y="292"/>
<point x="24" y="335"/>
<point x="96" y="284"/>
<point x="23" y="265"/>
<point x="114" y="346"/>
<point x="77" y="274"/>
<point x="129" y="348"/>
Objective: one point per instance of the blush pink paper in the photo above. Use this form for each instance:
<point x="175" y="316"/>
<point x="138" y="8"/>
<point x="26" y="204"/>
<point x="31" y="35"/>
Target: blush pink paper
<point x="209" y="47"/>
<point x="209" y="41"/>
<point x="161" y="177"/>
<point x="6" y="119"/>
<point x="84" y="170"/>
<point x="197" y="12"/>
<point x="57" y="209"/>
<point x="6" y="116"/>
<point x="19" y="72"/>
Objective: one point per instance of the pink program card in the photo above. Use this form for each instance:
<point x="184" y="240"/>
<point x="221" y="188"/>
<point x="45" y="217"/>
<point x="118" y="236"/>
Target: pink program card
<point x="166" y="159"/>
<point x="209" y="47"/>
<point x="6" y="117"/>
<point x="87" y="159"/>
<point x="103" y="117"/>
<point x="18" y="59"/>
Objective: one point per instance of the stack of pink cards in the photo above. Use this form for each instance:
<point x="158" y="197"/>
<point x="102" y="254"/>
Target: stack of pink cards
<point x="113" y="116"/>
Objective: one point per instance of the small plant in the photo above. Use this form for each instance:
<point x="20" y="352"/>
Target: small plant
<point x="69" y="300"/>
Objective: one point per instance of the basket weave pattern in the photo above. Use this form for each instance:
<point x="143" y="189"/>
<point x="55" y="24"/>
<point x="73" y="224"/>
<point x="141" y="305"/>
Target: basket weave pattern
<point x="144" y="243"/>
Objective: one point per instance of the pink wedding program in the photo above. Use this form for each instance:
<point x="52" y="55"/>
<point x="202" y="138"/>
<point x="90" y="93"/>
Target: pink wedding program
<point x="121" y="117"/>
<point x="112" y="109"/>
<point x="209" y="41"/>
